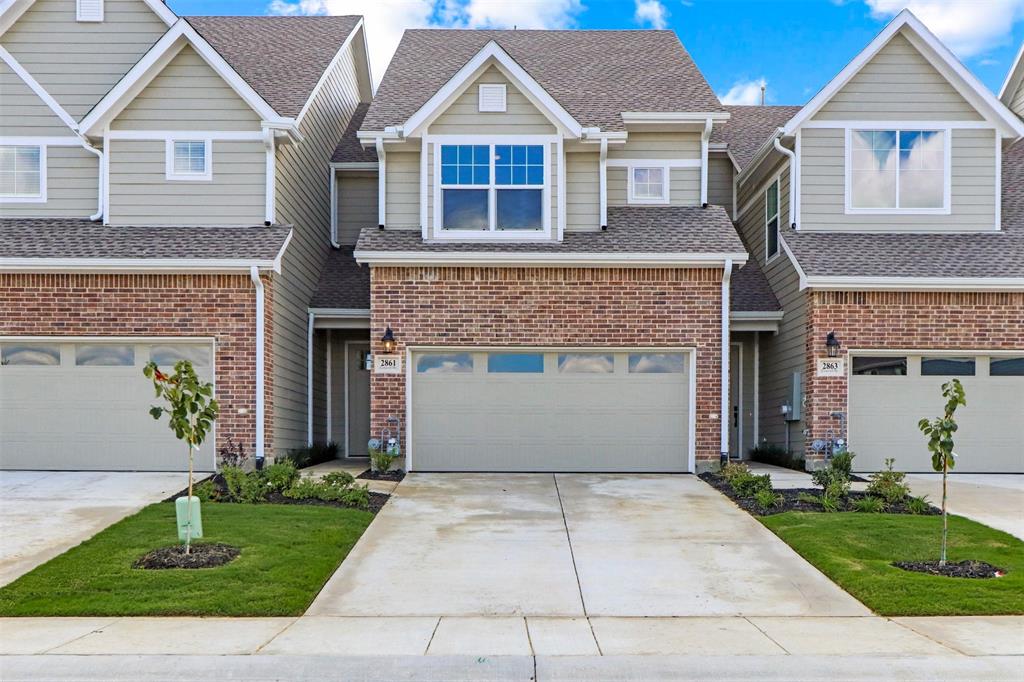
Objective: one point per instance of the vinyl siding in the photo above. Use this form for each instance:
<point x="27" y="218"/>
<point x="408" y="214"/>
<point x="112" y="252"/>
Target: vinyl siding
<point x="720" y="177"/>
<point x="464" y="117"/>
<point x="582" y="192"/>
<point x="898" y="83"/>
<point x="187" y="95"/>
<point x="140" y="194"/>
<point x="684" y="186"/>
<point x="1017" y="101"/>
<point x="303" y="201"/>
<point x="71" y="187"/>
<point x="402" y="190"/>
<point x="357" y="204"/>
<point x="657" y="146"/>
<point x="972" y="177"/>
<point x="78" y="62"/>
<point x="23" y="113"/>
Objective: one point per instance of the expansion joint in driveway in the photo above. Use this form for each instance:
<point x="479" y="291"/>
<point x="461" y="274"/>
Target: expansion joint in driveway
<point x="572" y="555"/>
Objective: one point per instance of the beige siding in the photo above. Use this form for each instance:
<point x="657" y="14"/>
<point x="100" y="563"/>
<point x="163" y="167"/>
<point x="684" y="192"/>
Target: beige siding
<point x="71" y="180"/>
<point x="357" y="204"/>
<point x="1017" y="101"/>
<point x="187" y="95"/>
<point x="972" y="176"/>
<point x="720" y="177"/>
<point x="464" y="117"/>
<point x="78" y="62"/>
<point x="582" y="192"/>
<point x="23" y="113"/>
<point x="303" y="200"/>
<point x="898" y="83"/>
<point x="140" y="193"/>
<point x="684" y="186"/>
<point x="402" y="190"/>
<point x="657" y="146"/>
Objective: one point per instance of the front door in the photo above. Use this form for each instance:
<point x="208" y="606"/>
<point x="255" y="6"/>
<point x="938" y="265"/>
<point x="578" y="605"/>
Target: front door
<point x="357" y="401"/>
<point x="735" y="401"/>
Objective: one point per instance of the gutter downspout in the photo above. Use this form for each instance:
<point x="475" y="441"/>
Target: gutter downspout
<point x="309" y="380"/>
<point x="270" y="198"/>
<point x="381" y="184"/>
<point x="254" y="275"/>
<point x="101" y="159"/>
<point x="603" y="182"/>
<point x="705" y="137"/>
<point x="726" y="280"/>
<point x="333" y="175"/>
<point x="794" y="178"/>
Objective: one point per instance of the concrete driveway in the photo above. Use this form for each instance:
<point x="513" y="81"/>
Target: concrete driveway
<point x="45" y="513"/>
<point x="572" y="545"/>
<point x="997" y="500"/>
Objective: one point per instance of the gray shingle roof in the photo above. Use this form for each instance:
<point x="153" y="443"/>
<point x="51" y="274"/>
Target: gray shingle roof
<point x="749" y="290"/>
<point x="343" y="283"/>
<point x="349" y="150"/>
<point x="70" y="238"/>
<point x="749" y="127"/>
<point x="631" y="229"/>
<point x="594" y="75"/>
<point x="986" y="254"/>
<point x="281" y="58"/>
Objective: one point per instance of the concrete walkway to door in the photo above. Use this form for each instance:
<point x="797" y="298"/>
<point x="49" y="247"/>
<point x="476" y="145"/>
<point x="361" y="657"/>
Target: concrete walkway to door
<point x="572" y="545"/>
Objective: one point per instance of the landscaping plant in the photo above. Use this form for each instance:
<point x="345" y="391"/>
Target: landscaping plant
<point x="191" y="411"/>
<point x="834" y="480"/>
<point x="939" y="432"/>
<point x="918" y="505"/>
<point x="749" y="485"/>
<point x="380" y="460"/>
<point x="767" y="499"/>
<point x="888" y="484"/>
<point x="869" y="505"/>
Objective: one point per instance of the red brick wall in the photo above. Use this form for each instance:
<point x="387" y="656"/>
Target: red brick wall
<point x="494" y="306"/>
<point x="900" y="320"/>
<point x="218" y="306"/>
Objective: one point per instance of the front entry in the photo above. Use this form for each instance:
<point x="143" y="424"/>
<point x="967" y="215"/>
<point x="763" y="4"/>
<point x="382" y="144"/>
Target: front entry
<point x="736" y="401"/>
<point x="357" y="402"/>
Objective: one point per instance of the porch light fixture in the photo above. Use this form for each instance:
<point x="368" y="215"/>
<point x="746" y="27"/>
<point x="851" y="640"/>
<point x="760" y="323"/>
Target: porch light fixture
<point x="388" y="340"/>
<point x="832" y="344"/>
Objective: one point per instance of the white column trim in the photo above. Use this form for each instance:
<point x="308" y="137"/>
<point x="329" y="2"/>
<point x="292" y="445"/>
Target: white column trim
<point x="381" y="184"/>
<point x="309" y="380"/>
<point x="704" y="138"/>
<point x="603" y="182"/>
<point x="254" y="274"/>
<point x="726" y="349"/>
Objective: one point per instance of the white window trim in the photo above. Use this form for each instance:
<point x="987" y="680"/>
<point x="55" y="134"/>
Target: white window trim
<point x="80" y="17"/>
<point x="205" y="176"/>
<point x="769" y="257"/>
<point x="666" y="184"/>
<point x="39" y="198"/>
<point x="492" y="88"/>
<point x="947" y="156"/>
<point x="492" y="234"/>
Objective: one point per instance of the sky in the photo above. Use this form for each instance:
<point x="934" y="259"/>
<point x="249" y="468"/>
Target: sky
<point x="793" y="47"/>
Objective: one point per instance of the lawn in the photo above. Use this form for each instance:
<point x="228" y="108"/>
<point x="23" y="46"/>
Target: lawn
<point x="856" y="550"/>
<point x="288" y="553"/>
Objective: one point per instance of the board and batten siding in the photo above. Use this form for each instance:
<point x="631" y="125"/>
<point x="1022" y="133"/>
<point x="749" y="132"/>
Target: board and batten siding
<point x="582" y="192"/>
<point x="187" y="95"/>
<point x="463" y="116"/>
<point x="898" y="84"/>
<point x="77" y="62"/>
<point x="720" y="179"/>
<point x="402" y="190"/>
<point x="22" y="112"/>
<point x="357" y="204"/>
<point x="972" y="190"/>
<point x="304" y="201"/>
<point x="72" y="175"/>
<point x="141" y="194"/>
<point x="781" y="354"/>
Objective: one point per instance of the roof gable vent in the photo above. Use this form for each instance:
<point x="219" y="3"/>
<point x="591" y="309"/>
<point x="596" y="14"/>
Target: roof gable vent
<point x="492" y="97"/>
<point x="89" y="10"/>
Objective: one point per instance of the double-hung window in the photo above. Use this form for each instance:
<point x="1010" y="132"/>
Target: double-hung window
<point x="771" y="221"/>
<point x="492" y="187"/>
<point x="23" y="173"/>
<point x="897" y="171"/>
<point x="189" y="160"/>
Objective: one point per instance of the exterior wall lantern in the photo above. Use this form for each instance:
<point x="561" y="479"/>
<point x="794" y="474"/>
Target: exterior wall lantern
<point x="389" y="340"/>
<point x="832" y="344"/>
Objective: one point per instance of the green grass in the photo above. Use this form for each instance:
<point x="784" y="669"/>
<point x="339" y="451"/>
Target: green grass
<point x="288" y="553"/>
<point x="856" y="550"/>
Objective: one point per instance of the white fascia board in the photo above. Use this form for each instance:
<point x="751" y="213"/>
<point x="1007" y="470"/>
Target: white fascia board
<point x="673" y="116"/>
<point x="552" y="259"/>
<point x="346" y="313"/>
<point x="792" y="259"/>
<point x="355" y="165"/>
<point x="524" y="81"/>
<point x="916" y="283"/>
<point x="936" y="53"/>
<point x="327" y="72"/>
<point x="756" y="314"/>
<point x="276" y="266"/>
<point x="1013" y="78"/>
<point x="141" y="265"/>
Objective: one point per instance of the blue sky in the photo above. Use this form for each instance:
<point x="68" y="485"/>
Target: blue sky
<point x="794" y="46"/>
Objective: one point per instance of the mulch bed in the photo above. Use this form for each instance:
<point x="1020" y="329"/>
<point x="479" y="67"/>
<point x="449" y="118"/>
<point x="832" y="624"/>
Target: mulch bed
<point x="790" y="501"/>
<point x="959" y="569"/>
<point x="395" y="475"/>
<point x="377" y="500"/>
<point x="201" y="556"/>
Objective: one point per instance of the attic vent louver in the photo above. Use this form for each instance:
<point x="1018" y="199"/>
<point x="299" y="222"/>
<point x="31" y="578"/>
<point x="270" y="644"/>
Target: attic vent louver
<point x="89" y="10"/>
<point x="492" y="97"/>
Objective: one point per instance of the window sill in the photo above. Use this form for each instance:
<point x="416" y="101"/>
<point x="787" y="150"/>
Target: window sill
<point x="488" y="235"/>
<point x="206" y="177"/>
<point x="898" y="211"/>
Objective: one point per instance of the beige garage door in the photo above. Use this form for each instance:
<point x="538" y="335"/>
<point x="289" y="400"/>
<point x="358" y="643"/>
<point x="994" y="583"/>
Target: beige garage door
<point x="586" y="410"/>
<point x="85" y="406"/>
<point x="890" y="394"/>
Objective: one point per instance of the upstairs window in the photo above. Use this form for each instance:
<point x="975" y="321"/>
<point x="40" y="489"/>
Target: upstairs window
<point x="89" y="10"/>
<point x="647" y="185"/>
<point x="897" y="171"/>
<point x="22" y="173"/>
<point x="771" y="221"/>
<point x="492" y="188"/>
<point x="189" y="160"/>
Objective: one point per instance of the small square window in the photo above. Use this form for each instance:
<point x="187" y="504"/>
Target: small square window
<point x="22" y="173"/>
<point x="189" y="160"/>
<point x="648" y="185"/>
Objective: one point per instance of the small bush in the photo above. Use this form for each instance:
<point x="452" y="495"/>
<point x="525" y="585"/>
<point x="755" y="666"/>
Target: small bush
<point x="734" y="469"/>
<point x="205" y="491"/>
<point x="889" y="484"/>
<point x="280" y="475"/>
<point x="829" y="504"/>
<point x="243" y="487"/>
<point x="232" y="455"/>
<point x="808" y="498"/>
<point x="334" y="487"/>
<point x="767" y="499"/>
<point x="869" y="505"/>
<point x="918" y="505"/>
<point x="842" y="461"/>
<point x="833" y="482"/>
<point x="380" y="460"/>
<point x="339" y="479"/>
<point x="749" y="485"/>
<point x="777" y="455"/>
<point x="316" y="453"/>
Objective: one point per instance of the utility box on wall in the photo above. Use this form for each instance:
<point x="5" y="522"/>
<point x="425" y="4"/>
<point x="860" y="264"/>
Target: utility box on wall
<point x="796" y="397"/>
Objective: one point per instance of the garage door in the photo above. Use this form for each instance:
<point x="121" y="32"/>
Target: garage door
<point x="890" y="394"/>
<point x="85" y="405"/>
<point x="586" y="410"/>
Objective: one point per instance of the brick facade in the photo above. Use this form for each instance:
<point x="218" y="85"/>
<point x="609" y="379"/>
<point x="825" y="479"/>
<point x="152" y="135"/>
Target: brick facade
<point x="505" y="306"/>
<point x="218" y="306"/>
<point x="899" y="320"/>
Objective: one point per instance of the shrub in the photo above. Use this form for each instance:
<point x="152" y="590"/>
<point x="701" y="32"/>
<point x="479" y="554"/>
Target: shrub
<point x="243" y="487"/>
<point x="380" y="460"/>
<point x="205" y="491"/>
<point x="833" y="482"/>
<point x="918" y="505"/>
<point x="777" y="455"/>
<point x="316" y="453"/>
<point x="280" y="475"/>
<point x="888" y="484"/>
<point x="334" y="487"/>
<point x="766" y="499"/>
<point x="869" y="505"/>
<point x="340" y="479"/>
<point x="734" y="469"/>
<point x="749" y="485"/>
<point x="232" y="455"/>
<point x="808" y="498"/>
<point x="842" y="461"/>
<point x="829" y="504"/>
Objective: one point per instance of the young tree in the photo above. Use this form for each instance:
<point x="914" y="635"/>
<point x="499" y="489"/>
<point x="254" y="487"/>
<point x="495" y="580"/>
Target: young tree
<point x="191" y="411"/>
<point x="939" y="432"/>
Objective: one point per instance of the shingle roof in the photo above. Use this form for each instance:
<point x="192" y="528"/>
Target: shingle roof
<point x="70" y="238"/>
<point x="349" y="150"/>
<point x="749" y="290"/>
<point x="281" y="58"/>
<point x="631" y="229"/>
<point x="594" y="75"/>
<point x="343" y="283"/>
<point x="749" y="127"/>
<point x="986" y="254"/>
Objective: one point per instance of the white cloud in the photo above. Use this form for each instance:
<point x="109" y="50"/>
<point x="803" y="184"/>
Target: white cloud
<point x="651" y="13"/>
<point x="387" y="19"/>
<point x="744" y="92"/>
<point x="967" y="27"/>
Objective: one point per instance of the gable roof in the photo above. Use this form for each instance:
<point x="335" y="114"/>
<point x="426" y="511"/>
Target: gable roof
<point x="1013" y="78"/>
<point x="11" y="11"/>
<point x="349" y="149"/>
<point x="593" y="75"/>
<point x="748" y="128"/>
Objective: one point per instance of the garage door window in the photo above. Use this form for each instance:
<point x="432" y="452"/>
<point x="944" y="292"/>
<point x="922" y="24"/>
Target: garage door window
<point x="1006" y="367"/>
<point x="656" y="363"/>
<point x="586" y="363"/>
<point x="168" y="355"/>
<point x="515" y="363"/>
<point x="106" y="355"/>
<point x="444" y="363"/>
<point x="878" y="366"/>
<point x="947" y="367"/>
<point x="29" y="354"/>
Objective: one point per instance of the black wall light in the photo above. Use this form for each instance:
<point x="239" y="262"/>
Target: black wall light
<point x="388" y="340"/>
<point x="832" y="344"/>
